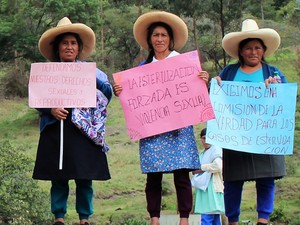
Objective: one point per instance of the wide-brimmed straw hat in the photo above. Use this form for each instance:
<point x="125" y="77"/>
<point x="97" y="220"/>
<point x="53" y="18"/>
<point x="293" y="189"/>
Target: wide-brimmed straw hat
<point x="86" y="34"/>
<point x="141" y="25"/>
<point x="250" y="29"/>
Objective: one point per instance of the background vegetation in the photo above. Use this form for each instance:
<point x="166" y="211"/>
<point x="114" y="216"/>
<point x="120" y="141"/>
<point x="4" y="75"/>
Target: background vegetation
<point x="121" y="200"/>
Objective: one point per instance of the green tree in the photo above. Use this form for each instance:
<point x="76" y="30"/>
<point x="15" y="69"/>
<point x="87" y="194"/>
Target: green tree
<point x="209" y="22"/>
<point x="122" y="48"/>
<point x="279" y="3"/>
<point x="24" y="21"/>
<point x="8" y="32"/>
<point x="291" y="13"/>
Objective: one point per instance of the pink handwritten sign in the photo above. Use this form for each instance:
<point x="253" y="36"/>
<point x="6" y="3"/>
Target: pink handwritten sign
<point x="164" y="96"/>
<point x="60" y="84"/>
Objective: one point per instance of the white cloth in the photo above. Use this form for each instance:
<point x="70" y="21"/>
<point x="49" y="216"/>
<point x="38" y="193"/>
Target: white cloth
<point x="214" y="166"/>
<point x="211" y="164"/>
<point x="173" y="53"/>
<point x="201" y="180"/>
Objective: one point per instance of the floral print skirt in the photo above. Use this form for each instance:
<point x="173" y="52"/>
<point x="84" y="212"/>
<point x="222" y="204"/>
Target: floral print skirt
<point x="169" y="151"/>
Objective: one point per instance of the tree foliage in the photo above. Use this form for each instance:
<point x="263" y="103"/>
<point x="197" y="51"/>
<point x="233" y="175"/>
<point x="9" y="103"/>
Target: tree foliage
<point x="121" y="47"/>
<point x="22" y="23"/>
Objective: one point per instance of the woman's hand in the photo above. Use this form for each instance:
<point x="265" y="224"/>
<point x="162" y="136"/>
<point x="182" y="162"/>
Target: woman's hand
<point x="204" y="76"/>
<point x="270" y="80"/>
<point x="197" y="172"/>
<point x="117" y="89"/>
<point x="219" y="80"/>
<point x="59" y="113"/>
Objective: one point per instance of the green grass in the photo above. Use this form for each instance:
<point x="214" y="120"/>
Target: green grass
<point x="284" y="57"/>
<point x="123" y="196"/>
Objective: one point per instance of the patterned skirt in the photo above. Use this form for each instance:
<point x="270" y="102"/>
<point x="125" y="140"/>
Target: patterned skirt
<point x="169" y="151"/>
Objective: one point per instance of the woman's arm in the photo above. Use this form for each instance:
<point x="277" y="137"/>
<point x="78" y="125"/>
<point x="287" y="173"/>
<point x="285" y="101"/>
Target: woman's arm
<point x="105" y="88"/>
<point x="103" y="84"/>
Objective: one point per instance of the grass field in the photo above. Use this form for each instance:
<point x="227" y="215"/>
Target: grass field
<point x="123" y="196"/>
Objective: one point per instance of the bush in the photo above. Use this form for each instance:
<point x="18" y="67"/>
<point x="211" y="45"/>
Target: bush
<point x="135" y="222"/>
<point x="15" y="77"/>
<point x="278" y="214"/>
<point x="128" y="219"/>
<point x="15" y="84"/>
<point x="21" y="200"/>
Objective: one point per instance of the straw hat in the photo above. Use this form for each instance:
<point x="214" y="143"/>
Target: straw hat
<point x="141" y="25"/>
<point x="86" y="34"/>
<point x="250" y="29"/>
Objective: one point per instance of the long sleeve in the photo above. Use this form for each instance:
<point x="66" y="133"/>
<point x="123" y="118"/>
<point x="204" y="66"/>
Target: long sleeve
<point x="103" y="84"/>
<point x="214" y="167"/>
<point x="105" y="88"/>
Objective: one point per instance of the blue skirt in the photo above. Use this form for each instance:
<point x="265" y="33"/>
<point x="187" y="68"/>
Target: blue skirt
<point x="169" y="151"/>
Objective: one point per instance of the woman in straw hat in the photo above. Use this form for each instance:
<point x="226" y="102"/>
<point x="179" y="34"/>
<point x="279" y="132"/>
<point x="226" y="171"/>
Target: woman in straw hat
<point x="249" y="47"/>
<point x="84" y="161"/>
<point x="162" y="34"/>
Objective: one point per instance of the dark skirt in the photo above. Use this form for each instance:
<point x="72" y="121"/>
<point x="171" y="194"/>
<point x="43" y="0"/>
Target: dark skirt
<point x="82" y="159"/>
<point x="248" y="166"/>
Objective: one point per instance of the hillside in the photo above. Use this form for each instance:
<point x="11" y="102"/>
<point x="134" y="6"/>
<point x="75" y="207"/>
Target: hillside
<point x="123" y="196"/>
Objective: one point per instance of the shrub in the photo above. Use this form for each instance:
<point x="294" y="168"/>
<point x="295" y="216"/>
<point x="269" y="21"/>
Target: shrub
<point x="278" y="214"/>
<point x="135" y="222"/>
<point x="15" y="79"/>
<point x="21" y="200"/>
<point x="15" y="84"/>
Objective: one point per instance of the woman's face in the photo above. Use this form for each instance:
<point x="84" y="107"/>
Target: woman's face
<point x="68" y="48"/>
<point x="160" y="39"/>
<point x="205" y="145"/>
<point x="252" y="53"/>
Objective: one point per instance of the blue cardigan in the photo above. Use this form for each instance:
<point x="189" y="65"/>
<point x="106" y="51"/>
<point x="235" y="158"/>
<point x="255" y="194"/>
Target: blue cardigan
<point x="102" y="84"/>
<point x="229" y="72"/>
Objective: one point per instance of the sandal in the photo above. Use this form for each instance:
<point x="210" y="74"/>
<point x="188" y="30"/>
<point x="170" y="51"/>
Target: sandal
<point x="58" y="223"/>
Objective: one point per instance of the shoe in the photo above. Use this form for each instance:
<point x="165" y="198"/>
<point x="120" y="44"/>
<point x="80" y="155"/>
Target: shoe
<point x="58" y="223"/>
<point x="86" y="223"/>
<point x="260" y="223"/>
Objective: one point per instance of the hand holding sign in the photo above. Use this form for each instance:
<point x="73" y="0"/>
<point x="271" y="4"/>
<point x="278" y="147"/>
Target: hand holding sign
<point x="60" y="85"/>
<point x="163" y="96"/>
<point x="252" y="118"/>
<point x="117" y="86"/>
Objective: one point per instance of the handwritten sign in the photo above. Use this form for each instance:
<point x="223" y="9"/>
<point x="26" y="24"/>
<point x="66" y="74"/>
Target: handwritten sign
<point x="58" y="85"/>
<point x="253" y="118"/>
<point x="164" y="96"/>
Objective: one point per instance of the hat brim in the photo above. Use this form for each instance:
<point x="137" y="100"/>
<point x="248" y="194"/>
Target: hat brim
<point x="86" y="34"/>
<point x="270" y="37"/>
<point x="140" y="28"/>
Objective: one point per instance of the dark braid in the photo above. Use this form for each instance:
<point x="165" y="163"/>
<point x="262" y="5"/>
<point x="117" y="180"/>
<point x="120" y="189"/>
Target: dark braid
<point x="150" y="56"/>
